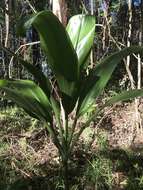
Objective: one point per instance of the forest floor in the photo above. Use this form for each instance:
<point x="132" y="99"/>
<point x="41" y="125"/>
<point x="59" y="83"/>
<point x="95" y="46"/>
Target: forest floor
<point x="109" y="154"/>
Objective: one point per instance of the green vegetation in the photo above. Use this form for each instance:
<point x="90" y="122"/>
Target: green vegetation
<point x="99" y="172"/>
<point x="76" y="90"/>
<point x="21" y="165"/>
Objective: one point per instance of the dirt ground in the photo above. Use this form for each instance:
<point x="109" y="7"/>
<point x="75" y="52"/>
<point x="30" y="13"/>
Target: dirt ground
<point x="35" y="147"/>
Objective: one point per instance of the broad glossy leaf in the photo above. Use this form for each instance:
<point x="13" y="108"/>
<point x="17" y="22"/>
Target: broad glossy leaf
<point x="56" y="108"/>
<point x="29" y="96"/>
<point x="34" y="90"/>
<point x="124" y="96"/>
<point x="57" y="46"/>
<point x="101" y="75"/>
<point x="61" y="55"/>
<point x="21" y="102"/>
<point x="81" y="29"/>
<point x="37" y="73"/>
<point x="22" y="25"/>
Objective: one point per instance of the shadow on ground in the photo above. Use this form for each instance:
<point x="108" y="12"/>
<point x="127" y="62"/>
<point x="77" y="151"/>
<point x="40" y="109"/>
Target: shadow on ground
<point x="128" y="166"/>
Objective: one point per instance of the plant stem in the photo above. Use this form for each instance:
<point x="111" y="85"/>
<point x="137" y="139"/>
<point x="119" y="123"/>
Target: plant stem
<point x="65" y="172"/>
<point x="55" y="138"/>
<point x="93" y="117"/>
<point x="66" y="157"/>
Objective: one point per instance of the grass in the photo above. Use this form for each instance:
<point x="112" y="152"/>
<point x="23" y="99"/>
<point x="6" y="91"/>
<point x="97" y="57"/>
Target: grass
<point x="29" y="160"/>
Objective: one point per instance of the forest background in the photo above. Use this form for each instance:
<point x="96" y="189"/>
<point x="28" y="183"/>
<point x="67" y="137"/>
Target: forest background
<point x="25" y="148"/>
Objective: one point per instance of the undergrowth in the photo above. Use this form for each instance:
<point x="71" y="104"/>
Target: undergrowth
<point x="28" y="159"/>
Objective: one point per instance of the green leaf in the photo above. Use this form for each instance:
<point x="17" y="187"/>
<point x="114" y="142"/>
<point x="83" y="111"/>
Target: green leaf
<point x="61" y="55"/>
<point x="56" y="108"/>
<point x="57" y="46"/>
<point x="81" y="29"/>
<point x="100" y="76"/>
<point x="21" y="102"/>
<point x="60" y="52"/>
<point x="120" y="97"/>
<point x="29" y="96"/>
<point x="124" y="96"/>
<point x="22" y="25"/>
<point x="43" y="81"/>
<point x="34" y="90"/>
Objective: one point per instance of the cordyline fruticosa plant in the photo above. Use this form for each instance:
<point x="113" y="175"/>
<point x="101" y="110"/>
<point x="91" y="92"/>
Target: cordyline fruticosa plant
<point x="67" y="51"/>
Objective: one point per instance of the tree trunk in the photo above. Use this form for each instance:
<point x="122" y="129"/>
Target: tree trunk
<point x="60" y="10"/>
<point x="6" y="72"/>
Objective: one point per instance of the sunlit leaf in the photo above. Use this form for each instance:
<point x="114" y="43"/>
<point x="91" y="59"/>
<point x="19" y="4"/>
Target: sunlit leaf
<point x="124" y="96"/>
<point x="58" y="47"/>
<point x="29" y="96"/>
<point x="101" y="75"/>
<point x="81" y="29"/>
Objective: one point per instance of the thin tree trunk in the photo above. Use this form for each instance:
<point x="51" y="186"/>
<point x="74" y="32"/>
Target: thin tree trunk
<point x="139" y="74"/>
<point x="130" y="29"/>
<point x="92" y="53"/>
<point x="135" y="126"/>
<point x="6" y="23"/>
<point x="6" y="36"/>
<point x="92" y="6"/>
<point x="105" y="40"/>
<point x="60" y="10"/>
<point x="137" y="100"/>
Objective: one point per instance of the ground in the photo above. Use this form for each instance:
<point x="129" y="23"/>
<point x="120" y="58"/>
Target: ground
<point x="109" y="154"/>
